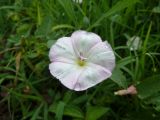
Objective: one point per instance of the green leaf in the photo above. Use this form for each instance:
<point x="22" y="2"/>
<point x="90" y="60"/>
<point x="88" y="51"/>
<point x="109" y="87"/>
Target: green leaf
<point x="31" y="97"/>
<point x="80" y="99"/>
<point x="67" y="96"/>
<point x="69" y="110"/>
<point x="52" y="107"/>
<point x="73" y="111"/>
<point x="121" y="5"/>
<point x="50" y="43"/>
<point x="62" y="26"/>
<point x="68" y="7"/>
<point x="156" y="9"/>
<point x="60" y="110"/>
<point x="24" y="30"/>
<point x="94" y="113"/>
<point x="36" y="114"/>
<point x="149" y="86"/>
<point x="45" y="111"/>
<point x="127" y="60"/>
<point x="45" y="28"/>
<point x="155" y="101"/>
<point x="144" y="48"/>
<point x="119" y="78"/>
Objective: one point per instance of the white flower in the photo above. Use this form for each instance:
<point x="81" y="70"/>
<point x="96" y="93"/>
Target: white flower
<point x="134" y="43"/>
<point x="78" y="1"/>
<point x="81" y="61"/>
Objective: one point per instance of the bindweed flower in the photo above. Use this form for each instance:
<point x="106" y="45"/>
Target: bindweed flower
<point x="134" y="43"/>
<point x="130" y="90"/>
<point x="81" y="61"/>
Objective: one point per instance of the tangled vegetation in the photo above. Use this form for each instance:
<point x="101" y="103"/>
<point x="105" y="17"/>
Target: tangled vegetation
<point x="28" y="28"/>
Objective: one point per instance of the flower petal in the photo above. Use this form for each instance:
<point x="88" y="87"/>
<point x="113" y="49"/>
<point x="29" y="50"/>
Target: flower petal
<point x="62" y="50"/>
<point x="67" y="73"/>
<point x="92" y="75"/>
<point x="102" y="54"/>
<point x="83" y="41"/>
<point x="77" y="78"/>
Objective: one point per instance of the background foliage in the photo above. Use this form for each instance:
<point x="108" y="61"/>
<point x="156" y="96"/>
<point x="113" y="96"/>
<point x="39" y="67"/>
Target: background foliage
<point x="28" y="28"/>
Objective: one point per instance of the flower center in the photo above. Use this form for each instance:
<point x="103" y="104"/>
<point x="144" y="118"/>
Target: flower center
<point x="81" y="62"/>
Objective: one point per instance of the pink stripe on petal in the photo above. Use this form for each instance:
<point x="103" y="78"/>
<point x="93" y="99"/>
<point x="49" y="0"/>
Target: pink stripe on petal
<point x="92" y="75"/>
<point x="102" y="54"/>
<point x="66" y="73"/>
<point x="83" y="41"/>
<point x="63" y="49"/>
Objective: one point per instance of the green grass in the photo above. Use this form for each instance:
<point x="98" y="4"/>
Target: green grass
<point x="29" y="27"/>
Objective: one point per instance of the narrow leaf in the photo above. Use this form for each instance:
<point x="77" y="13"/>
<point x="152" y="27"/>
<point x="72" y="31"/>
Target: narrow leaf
<point x="60" y="110"/>
<point x="73" y="111"/>
<point x="36" y="114"/>
<point x="119" y="78"/>
<point x="116" y="8"/>
<point x="94" y="113"/>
